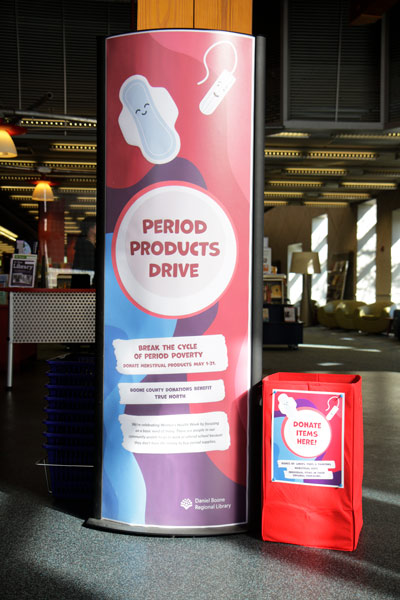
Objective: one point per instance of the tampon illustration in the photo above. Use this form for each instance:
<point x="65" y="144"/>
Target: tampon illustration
<point x="221" y="85"/>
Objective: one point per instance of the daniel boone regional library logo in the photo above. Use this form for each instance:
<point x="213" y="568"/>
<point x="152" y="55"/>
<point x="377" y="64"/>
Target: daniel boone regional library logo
<point x="205" y="503"/>
<point x="186" y="503"/>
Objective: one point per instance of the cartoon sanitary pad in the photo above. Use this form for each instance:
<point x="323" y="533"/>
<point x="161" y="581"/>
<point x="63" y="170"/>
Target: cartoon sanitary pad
<point x="148" y="118"/>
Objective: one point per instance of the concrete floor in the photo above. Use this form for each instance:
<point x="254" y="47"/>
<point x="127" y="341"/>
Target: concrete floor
<point x="47" y="552"/>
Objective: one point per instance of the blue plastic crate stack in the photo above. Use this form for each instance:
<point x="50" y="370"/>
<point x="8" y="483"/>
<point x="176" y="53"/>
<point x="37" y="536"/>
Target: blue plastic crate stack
<point x="70" y="426"/>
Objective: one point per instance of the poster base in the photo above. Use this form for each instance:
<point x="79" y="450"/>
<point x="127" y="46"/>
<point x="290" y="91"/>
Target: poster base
<point x="154" y="530"/>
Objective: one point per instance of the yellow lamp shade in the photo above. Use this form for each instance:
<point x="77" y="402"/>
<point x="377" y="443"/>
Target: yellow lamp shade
<point x="305" y="262"/>
<point x="7" y="146"/>
<point x="43" y="192"/>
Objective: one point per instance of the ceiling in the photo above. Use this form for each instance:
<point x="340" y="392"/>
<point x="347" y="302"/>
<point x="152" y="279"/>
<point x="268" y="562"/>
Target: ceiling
<point x="330" y="167"/>
<point x="49" y="86"/>
<point x="49" y="78"/>
<point x="64" y="152"/>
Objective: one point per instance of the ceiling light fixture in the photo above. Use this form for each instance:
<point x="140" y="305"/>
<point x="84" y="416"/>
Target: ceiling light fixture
<point x="64" y="147"/>
<point x="16" y="188"/>
<point x="285" y="194"/>
<point x="79" y="206"/>
<point x="14" y="177"/>
<point x="21" y="196"/>
<point x="345" y="195"/>
<point x="276" y="202"/>
<point x="320" y="154"/>
<point x="8" y="234"/>
<point x="327" y="204"/>
<point x="384" y="172"/>
<point x="58" y="123"/>
<point x="315" y="171"/>
<point x="18" y="163"/>
<point x="43" y="191"/>
<point x="341" y="154"/>
<point x="290" y="134"/>
<point x="292" y="183"/>
<point x="57" y="164"/>
<point x="7" y="146"/>
<point x="371" y="136"/>
<point x="88" y="179"/>
<point x="6" y="248"/>
<point x="284" y="153"/>
<point x="377" y="185"/>
<point x="73" y="190"/>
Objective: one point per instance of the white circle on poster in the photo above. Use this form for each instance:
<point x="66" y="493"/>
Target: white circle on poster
<point x="307" y="434"/>
<point x="174" y="250"/>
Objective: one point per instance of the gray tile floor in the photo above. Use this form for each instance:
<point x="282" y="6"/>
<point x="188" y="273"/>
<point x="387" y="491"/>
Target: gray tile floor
<point x="47" y="553"/>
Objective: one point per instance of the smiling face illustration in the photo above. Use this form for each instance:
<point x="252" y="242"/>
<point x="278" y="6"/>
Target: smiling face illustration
<point x="147" y="119"/>
<point x="143" y="111"/>
<point x="219" y="89"/>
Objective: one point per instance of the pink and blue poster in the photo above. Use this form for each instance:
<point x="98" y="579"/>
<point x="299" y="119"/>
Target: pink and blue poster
<point x="177" y="294"/>
<point x="307" y="437"/>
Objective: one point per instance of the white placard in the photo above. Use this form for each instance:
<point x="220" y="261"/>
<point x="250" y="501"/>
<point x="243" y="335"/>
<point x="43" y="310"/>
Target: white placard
<point x="299" y="469"/>
<point x="186" y="354"/>
<point x="175" y="434"/>
<point x="172" y="392"/>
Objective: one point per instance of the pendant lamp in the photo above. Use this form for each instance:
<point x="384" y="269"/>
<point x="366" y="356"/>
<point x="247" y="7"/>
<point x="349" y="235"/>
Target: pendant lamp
<point x="43" y="192"/>
<point x="7" y="146"/>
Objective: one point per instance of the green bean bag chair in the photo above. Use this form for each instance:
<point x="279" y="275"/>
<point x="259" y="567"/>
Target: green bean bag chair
<point x="373" y="318"/>
<point x="326" y="315"/>
<point x="345" y="313"/>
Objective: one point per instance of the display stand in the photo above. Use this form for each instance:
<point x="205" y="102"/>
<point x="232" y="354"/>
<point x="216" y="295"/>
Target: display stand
<point x="337" y="280"/>
<point x="274" y="289"/>
<point x="180" y="253"/>
<point x="279" y="328"/>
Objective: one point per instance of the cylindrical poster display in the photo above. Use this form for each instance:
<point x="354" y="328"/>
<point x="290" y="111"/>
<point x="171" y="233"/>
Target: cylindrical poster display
<point x="177" y="282"/>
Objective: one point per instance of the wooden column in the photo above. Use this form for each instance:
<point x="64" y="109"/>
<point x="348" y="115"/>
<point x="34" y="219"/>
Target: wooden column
<point x="224" y="15"/>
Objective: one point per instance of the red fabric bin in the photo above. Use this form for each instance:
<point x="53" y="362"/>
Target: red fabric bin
<point x="312" y="459"/>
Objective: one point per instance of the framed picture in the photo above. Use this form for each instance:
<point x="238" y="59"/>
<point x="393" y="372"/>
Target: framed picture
<point x="289" y="314"/>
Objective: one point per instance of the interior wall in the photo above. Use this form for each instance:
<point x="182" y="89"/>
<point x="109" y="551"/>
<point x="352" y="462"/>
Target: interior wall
<point x="292" y="224"/>
<point x="387" y="202"/>
<point x="285" y="225"/>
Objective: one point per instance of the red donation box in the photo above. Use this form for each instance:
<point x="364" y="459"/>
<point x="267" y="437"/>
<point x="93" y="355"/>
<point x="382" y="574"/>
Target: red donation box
<point x="312" y="459"/>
